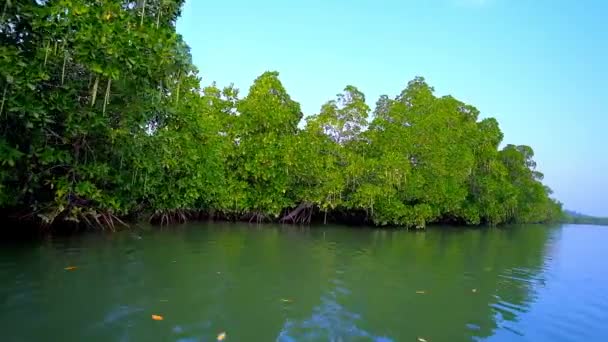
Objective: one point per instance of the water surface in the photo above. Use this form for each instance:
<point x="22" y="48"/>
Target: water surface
<point x="324" y="283"/>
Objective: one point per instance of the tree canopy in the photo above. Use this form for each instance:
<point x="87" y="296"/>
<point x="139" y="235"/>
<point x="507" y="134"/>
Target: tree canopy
<point x="103" y="117"/>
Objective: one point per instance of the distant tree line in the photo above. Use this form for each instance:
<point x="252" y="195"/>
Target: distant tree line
<point x="578" y="218"/>
<point x="102" y="118"/>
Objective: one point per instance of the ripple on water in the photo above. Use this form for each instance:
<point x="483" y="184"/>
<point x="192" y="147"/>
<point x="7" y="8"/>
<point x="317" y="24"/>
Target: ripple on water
<point x="119" y="314"/>
<point x="329" y="321"/>
<point x="576" y="319"/>
<point x="308" y="288"/>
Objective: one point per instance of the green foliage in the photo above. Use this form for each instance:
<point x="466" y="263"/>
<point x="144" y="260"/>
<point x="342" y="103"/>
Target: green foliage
<point x="90" y="88"/>
<point x="102" y="116"/>
<point x="265" y="129"/>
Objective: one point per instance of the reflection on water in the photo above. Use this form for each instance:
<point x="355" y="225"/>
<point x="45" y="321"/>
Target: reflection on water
<point x="309" y="284"/>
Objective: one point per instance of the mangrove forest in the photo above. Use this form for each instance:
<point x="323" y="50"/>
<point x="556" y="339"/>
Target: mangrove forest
<point x="103" y="121"/>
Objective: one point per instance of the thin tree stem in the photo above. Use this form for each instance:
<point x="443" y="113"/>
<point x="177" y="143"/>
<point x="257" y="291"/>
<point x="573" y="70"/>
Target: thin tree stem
<point x="106" y="99"/>
<point x="143" y="12"/>
<point x="158" y="17"/>
<point x="46" y="52"/>
<point x="179" y="76"/>
<point x="65" y="60"/>
<point x="3" y="98"/>
<point x="94" y="91"/>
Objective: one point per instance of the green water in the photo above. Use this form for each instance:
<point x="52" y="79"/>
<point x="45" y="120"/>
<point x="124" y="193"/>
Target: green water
<point x="271" y="283"/>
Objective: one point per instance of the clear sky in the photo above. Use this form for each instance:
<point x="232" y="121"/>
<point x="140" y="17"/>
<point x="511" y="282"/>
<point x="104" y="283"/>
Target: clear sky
<point x="539" y="66"/>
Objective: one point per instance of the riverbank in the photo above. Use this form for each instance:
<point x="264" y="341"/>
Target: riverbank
<point x="98" y="129"/>
<point x="18" y="229"/>
<point x="585" y="219"/>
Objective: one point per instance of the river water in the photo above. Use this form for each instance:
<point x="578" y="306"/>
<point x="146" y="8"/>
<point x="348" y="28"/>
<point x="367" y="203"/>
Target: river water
<point x="323" y="283"/>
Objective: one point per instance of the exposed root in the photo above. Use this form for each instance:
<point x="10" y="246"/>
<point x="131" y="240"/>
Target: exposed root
<point x="101" y="220"/>
<point x="79" y="212"/>
<point x="167" y="217"/>
<point x="257" y="217"/>
<point x="301" y="214"/>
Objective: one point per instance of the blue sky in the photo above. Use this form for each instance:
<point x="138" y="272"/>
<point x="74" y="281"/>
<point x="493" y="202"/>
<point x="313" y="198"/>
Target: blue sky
<point x="540" y="67"/>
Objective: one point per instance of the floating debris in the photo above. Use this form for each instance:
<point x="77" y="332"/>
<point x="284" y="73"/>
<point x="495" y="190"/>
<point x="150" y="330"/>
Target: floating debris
<point x="420" y="339"/>
<point x="285" y="300"/>
<point x="70" y="268"/>
<point x="157" y="317"/>
<point x="221" y="336"/>
<point x="474" y="290"/>
<point x="420" y="292"/>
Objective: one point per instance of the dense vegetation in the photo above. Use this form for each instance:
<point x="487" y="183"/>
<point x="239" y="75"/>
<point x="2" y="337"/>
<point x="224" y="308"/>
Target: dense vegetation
<point x="102" y="117"/>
